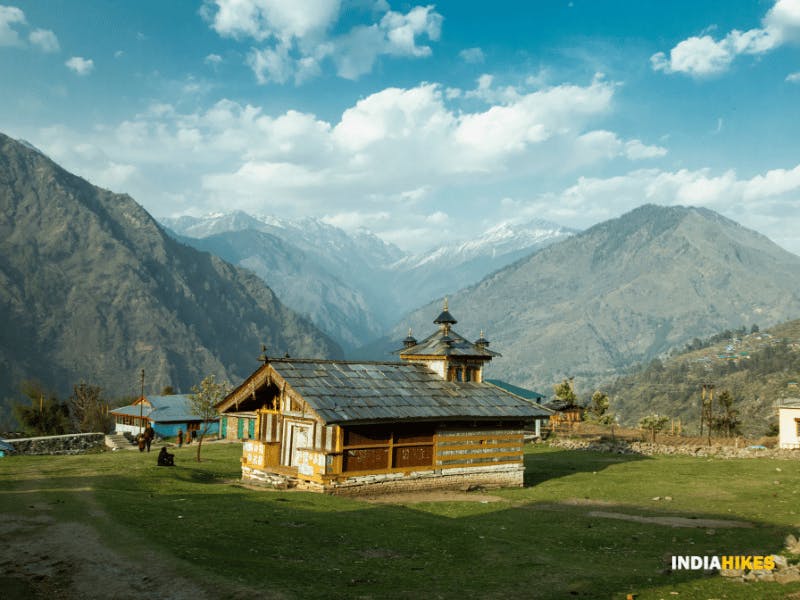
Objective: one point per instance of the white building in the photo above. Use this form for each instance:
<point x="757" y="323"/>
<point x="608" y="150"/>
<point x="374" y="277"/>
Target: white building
<point x="789" y="423"/>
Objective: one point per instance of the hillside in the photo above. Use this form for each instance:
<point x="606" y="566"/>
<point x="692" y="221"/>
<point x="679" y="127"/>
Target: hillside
<point x="624" y="291"/>
<point x="337" y="279"/>
<point x="299" y="280"/>
<point x="758" y="368"/>
<point x="91" y="288"/>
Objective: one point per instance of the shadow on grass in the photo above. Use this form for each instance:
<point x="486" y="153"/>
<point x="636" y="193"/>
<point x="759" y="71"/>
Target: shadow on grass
<point x="545" y="464"/>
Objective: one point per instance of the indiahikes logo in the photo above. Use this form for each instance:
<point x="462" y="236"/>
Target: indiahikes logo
<point x="710" y="563"/>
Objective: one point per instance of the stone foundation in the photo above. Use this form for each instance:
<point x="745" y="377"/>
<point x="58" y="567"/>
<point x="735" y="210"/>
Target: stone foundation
<point x="75" y="443"/>
<point x="493" y="476"/>
<point x="267" y="479"/>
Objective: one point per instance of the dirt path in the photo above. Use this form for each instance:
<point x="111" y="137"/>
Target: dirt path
<point x="50" y="559"/>
<point x="45" y="557"/>
<point x="671" y="521"/>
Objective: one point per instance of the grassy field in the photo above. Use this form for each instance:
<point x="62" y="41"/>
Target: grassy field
<point x="542" y="541"/>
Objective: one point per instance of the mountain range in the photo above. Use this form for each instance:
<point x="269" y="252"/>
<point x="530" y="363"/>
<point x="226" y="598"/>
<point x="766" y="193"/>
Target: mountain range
<point x="355" y="286"/>
<point x="92" y="288"/>
<point x="622" y="292"/>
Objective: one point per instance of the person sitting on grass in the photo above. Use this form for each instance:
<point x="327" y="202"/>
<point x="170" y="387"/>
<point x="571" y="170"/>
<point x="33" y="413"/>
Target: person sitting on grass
<point x="165" y="459"/>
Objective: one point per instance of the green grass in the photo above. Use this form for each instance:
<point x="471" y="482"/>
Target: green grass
<point x="539" y="542"/>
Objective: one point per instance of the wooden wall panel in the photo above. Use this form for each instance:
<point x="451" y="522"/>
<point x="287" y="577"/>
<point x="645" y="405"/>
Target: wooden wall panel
<point x="474" y="447"/>
<point x="412" y="456"/>
<point x="366" y="459"/>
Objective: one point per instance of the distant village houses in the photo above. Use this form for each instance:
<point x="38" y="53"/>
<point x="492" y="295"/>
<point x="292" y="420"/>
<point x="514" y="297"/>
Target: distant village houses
<point x="166" y="414"/>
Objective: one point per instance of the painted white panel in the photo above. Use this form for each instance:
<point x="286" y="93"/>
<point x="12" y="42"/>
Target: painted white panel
<point x="788" y="437"/>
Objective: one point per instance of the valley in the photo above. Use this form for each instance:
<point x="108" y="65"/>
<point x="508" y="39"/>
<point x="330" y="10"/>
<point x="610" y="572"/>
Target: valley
<point x="97" y="289"/>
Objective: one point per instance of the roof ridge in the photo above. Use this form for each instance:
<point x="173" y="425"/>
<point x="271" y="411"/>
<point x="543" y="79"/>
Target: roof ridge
<point x="337" y="361"/>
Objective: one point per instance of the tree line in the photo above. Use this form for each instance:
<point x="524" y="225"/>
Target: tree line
<point x="720" y="417"/>
<point x="44" y="413"/>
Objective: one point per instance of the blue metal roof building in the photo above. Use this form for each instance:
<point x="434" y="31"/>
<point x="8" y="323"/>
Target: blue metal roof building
<point x="518" y="391"/>
<point x="166" y="414"/>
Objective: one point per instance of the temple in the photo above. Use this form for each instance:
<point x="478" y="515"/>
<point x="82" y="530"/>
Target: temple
<point x="428" y="421"/>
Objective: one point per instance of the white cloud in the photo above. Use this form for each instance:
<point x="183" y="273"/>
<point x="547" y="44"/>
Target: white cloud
<point x="293" y="39"/>
<point x="401" y="30"/>
<point x="793" y="77"/>
<point x="437" y="218"/>
<point x="390" y="142"/>
<point x="45" y="39"/>
<point x="486" y="91"/>
<point x="774" y="195"/>
<point x="695" y="56"/>
<point x="355" y="53"/>
<point x="10" y="15"/>
<point x="115" y="175"/>
<point x="702" y="56"/>
<point x="472" y="55"/>
<point x="784" y="17"/>
<point x="399" y="147"/>
<point x="213" y="60"/>
<point x="636" y="150"/>
<point x="260" y="20"/>
<point x="91" y="160"/>
<point x="82" y="66"/>
<point x="354" y="220"/>
<point x="271" y="65"/>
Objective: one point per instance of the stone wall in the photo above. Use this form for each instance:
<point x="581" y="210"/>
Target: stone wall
<point x="649" y="449"/>
<point x="75" y="443"/>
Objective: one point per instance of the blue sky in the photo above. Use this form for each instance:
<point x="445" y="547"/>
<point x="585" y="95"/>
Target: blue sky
<point x="420" y="122"/>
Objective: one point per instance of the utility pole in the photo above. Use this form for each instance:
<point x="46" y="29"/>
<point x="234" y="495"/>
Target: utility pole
<point x="702" y="408"/>
<point x="710" y="410"/>
<point x="141" y="404"/>
<point x="707" y="409"/>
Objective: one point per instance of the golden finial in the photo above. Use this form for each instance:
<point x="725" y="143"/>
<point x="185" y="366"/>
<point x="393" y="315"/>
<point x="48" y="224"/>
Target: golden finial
<point x="409" y="332"/>
<point x="445" y="303"/>
<point x="481" y="333"/>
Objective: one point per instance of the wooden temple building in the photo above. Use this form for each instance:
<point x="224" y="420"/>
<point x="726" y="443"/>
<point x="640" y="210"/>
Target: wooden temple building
<point x="428" y="421"/>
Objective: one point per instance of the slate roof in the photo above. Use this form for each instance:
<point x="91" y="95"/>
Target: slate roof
<point x="368" y="392"/>
<point x="435" y="345"/>
<point x="165" y="409"/>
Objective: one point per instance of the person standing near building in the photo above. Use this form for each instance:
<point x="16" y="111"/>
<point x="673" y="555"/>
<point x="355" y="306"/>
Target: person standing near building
<point x="180" y="438"/>
<point x="149" y="434"/>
